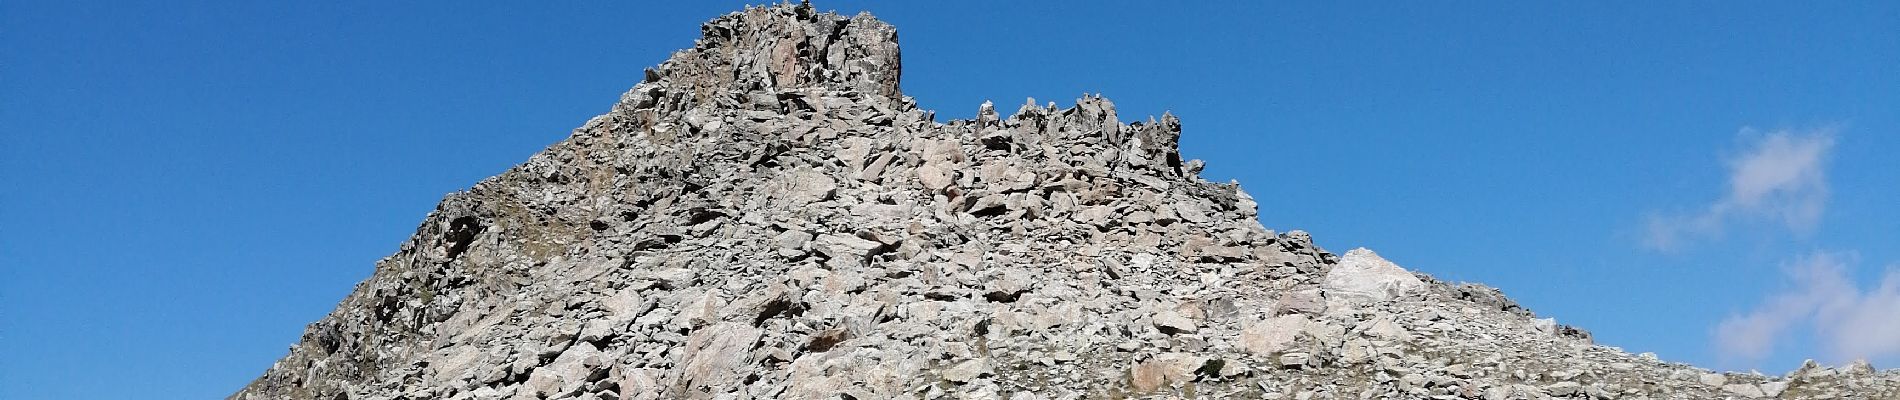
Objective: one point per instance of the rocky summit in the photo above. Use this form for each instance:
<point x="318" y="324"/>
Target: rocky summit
<point x="766" y="215"/>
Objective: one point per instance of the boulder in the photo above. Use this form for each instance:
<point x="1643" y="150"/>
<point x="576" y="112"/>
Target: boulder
<point x="1362" y="276"/>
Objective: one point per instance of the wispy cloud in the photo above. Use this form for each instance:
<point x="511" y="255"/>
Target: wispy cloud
<point x="1868" y="326"/>
<point x="1780" y="177"/>
<point x="1823" y="297"/>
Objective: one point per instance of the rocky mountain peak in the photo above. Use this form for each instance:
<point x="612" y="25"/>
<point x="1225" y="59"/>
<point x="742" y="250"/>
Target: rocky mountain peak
<point x="780" y="49"/>
<point x="766" y="216"/>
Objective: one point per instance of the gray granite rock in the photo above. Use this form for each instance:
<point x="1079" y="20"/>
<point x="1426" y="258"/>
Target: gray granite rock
<point x="766" y="215"/>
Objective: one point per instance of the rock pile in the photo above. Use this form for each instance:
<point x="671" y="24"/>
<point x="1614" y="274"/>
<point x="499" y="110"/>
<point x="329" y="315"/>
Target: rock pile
<point x="767" y="216"/>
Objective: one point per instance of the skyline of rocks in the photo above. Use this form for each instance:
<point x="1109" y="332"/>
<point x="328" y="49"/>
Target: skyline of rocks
<point x="766" y="215"/>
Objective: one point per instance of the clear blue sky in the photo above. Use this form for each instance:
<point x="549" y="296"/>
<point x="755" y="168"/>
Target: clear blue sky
<point x="187" y="186"/>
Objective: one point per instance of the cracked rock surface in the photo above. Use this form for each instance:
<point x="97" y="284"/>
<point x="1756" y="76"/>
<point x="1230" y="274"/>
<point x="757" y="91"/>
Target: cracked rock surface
<point x="766" y="215"/>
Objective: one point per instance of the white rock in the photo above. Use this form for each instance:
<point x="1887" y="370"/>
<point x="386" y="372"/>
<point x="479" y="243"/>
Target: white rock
<point x="1743" y="389"/>
<point x="1363" y="275"/>
<point x="1561" y="389"/>
<point x="1295" y="360"/>
<point x="1172" y="322"/>
<point x="1712" y="379"/>
<point x="969" y="370"/>
<point x="1273" y="334"/>
<point x="845" y="246"/>
<point x="1774" y="389"/>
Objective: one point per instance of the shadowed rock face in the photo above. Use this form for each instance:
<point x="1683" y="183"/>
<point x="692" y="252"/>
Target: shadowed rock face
<point x="766" y="215"/>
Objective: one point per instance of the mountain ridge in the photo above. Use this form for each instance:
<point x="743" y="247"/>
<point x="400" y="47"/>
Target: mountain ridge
<point x="767" y="215"/>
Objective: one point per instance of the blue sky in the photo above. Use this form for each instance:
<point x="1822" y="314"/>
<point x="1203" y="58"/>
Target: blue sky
<point x="187" y="186"/>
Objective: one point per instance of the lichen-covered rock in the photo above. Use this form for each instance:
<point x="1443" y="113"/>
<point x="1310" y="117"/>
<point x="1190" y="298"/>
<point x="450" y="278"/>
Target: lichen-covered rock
<point x="767" y="216"/>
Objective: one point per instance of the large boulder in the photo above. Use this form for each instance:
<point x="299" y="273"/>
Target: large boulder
<point x="1363" y="277"/>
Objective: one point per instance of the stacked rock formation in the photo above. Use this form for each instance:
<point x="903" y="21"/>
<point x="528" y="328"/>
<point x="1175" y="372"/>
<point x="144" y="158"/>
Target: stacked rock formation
<point x="767" y="216"/>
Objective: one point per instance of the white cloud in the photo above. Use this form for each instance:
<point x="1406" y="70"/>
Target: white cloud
<point x="1867" y="326"/>
<point x="1781" y="177"/>
<point x="1849" y="323"/>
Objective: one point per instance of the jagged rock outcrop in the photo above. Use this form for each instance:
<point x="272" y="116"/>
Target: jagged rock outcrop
<point x="767" y="216"/>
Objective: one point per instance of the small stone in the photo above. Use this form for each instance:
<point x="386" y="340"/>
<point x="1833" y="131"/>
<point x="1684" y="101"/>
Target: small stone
<point x="968" y="371"/>
<point x="1294" y="360"/>
<point x="1562" y="389"/>
<point x="1273" y="334"/>
<point x="934" y="178"/>
<point x="793" y="240"/>
<point x="1308" y="302"/>
<point x="846" y="247"/>
<point x="1148" y="376"/>
<point x="1497" y="393"/>
<point x="1743" y="389"/>
<point x="1712" y="379"/>
<point x="1773" y="389"/>
<point x="808" y="186"/>
<point x="1170" y="322"/>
